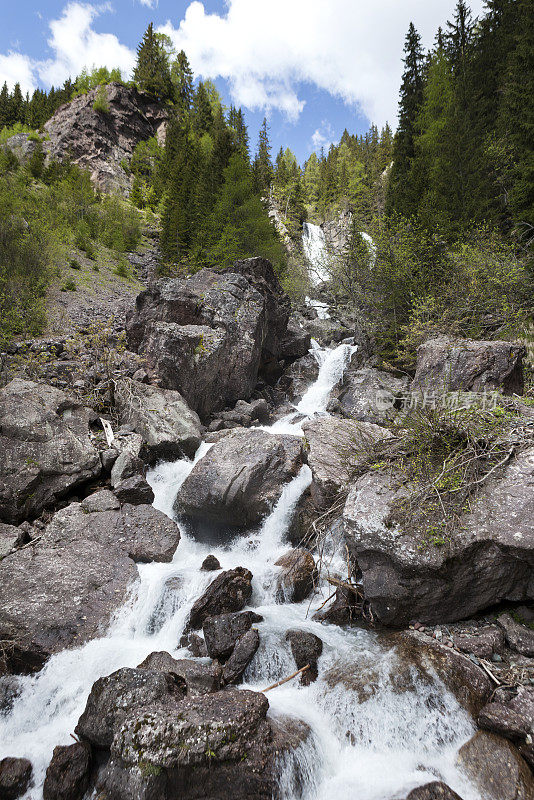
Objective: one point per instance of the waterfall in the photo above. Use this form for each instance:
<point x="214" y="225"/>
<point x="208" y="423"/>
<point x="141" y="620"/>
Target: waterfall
<point x="315" y="251"/>
<point x="369" y="738"/>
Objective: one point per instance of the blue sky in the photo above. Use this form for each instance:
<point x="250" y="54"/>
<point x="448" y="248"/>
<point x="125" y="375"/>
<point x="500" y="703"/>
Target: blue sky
<point x="313" y="67"/>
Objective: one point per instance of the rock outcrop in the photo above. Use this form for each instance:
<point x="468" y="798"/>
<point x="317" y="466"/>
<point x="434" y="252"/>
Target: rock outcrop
<point x="371" y="395"/>
<point x="208" y="336"/>
<point x="46" y="447"/>
<point x="240" y="478"/>
<point x="490" y="557"/>
<point x="446" y="365"/>
<point x="63" y="590"/>
<point x="103" y="142"/>
<point x="494" y="765"/>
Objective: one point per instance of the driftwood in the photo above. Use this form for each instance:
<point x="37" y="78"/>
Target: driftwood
<point x="289" y="677"/>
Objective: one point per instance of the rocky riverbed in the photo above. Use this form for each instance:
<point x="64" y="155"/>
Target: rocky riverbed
<point x="221" y="531"/>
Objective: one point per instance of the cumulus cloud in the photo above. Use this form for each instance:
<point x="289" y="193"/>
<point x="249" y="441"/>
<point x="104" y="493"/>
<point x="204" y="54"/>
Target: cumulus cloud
<point x="266" y="49"/>
<point x="323" y="136"/>
<point x="149" y="3"/>
<point x="17" y="68"/>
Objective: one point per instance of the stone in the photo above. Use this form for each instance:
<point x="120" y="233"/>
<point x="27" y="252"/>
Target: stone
<point x="10" y="539"/>
<point x="126" y="466"/>
<point x="209" y="336"/>
<point x="494" y="765"/>
<point x="334" y="448"/>
<point x="46" y="448"/>
<point x="295" y="343"/>
<point x="518" y="637"/>
<point x="199" y="678"/>
<point x="342" y="611"/>
<point x="64" y="589"/>
<point x="490" y="556"/>
<point x="102" y="143"/>
<point x="371" y="395"/>
<point x="240" y="478"/>
<point x="511" y="714"/>
<point x="445" y="364"/>
<point x="482" y="642"/>
<point x="242" y="654"/>
<point x="170" y="429"/>
<point x="114" y="697"/>
<point x="297" y="378"/>
<point x="433" y="791"/>
<point x="297" y="575"/>
<point x="210" y="564"/>
<point x="227" y="593"/>
<point x="15" y="777"/>
<point x="108" y="458"/>
<point x="306" y="648"/>
<point x="10" y="689"/>
<point x="222" y="631"/>
<point x="135" y="490"/>
<point x="67" y="776"/>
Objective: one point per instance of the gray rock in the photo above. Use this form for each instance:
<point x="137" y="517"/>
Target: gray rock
<point x="10" y="689"/>
<point x="169" y="428"/>
<point x="207" y="336"/>
<point x="67" y="776"/>
<point x="11" y="538"/>
<point x="295" y="343"/>
<point x="433" y="791"/>
<point x="15" y="777"/>
<point x="334" y="448"/>
<point x="135" y="490"/>
<point x="240" y="478"/>
<point x="306" y="648"/>
<point x="512" y="718"/>
<point x="46" y="448"/>
<point x="199" y="678"/>
<point x="108" y="458"/>
<point x="482" y="642"/>
<point x="222" y="631"/>
<point x="297" y="575"/>
<point x="371" y="395"/>
<point x="298" y="377"/>
<point x="519" y="637"/>
<point x="114" y="697"/>
<point x="490" y="556"/>
<point x="210" y="564"/>
<point x="242" y="654"/>
<point x="227" y="593"/>
<point x="63" y="590"/>
<point x="103" y="500"/>
<point x="445" y="364"/>
<point x="496" y="767"/>
<point x="126" y="466"/>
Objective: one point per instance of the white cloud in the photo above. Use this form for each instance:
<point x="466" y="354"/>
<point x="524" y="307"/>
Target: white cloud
<point x="76" y="45"/>
<point x="17" y="68"/>
<point x="266" y="48"/>
<point x="323" y="136"/>
<point x="149" y="3"/>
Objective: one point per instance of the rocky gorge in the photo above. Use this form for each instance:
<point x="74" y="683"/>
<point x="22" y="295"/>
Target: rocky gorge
<point x="223" y="525"/>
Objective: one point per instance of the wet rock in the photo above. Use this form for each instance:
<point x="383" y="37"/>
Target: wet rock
<point x="306" y="649"/>
<point x="63" y="590"/>
<point x="490" y="556"/>
<point x="114" y="697"/>
<point x="218" y="746"/>
<point x="170" y="429"/>
<point x="15" y="777"/>
<point x="446" y="364"/>
<point x="519" y="637"/>
<point x="46" y="448"/>
<point x="297" y="576"/>
<point x="197" y="645"/>
<point x="511" y="714"/>
<point x="483" y="642"/>
<point x="496" y="768"/>
<point x="342" y="611"/>
<point x="199" y="678"/>
<point x="240" y="478"/>
<point x="221" y="632"/>
<point x="334" y="447"/>
<point x="433" y="791"/>
<point x="242" y="654"/>
<point x="227" y="593"/>
<point x="135" y="491"/>
<point x="295" y="343"/>
<point x="210" y="564"/>
<point x="244" y="414"/>
<point x="10" y="689"/>
<point x="298" y="377"/>
<point x="67" y="776"/>
<point x="10" y="539"/>
<point x="208" y="335"/>
<point x="371" y="395"/>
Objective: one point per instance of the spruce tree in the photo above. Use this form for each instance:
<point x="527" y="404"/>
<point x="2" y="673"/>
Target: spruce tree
<point x="151" y="73"/>
<point x="182" y="79"/>
<point x="202" y="112"/>
<point x="401" y="197"/>
<point x="263" y="165"/>
<point x="4" y="107"/>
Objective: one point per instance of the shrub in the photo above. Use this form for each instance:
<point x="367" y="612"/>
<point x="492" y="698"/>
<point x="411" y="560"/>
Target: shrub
<point x="68" y="285"/>
<point x="73" y="264"/>
<point x="101" y="102"/>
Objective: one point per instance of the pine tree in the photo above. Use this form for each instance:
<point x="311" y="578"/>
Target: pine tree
<point x="401" y="196"/>
<point x="263" y="165"/>
<point x="4" y="107"/>
<point x="182" y="79"/>
<point x="202" y="112"/>
<point x="151" y="73"/>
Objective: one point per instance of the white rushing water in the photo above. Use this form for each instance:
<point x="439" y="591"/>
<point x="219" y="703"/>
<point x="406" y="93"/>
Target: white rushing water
<point x="378" y="728"/>
<point x="315" y="251"/>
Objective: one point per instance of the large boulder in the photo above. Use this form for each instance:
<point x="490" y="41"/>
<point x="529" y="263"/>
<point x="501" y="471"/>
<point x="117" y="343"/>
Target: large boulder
<point x="297" y="575"/>
<point x="222" y="631"/>
<point x="169" y="428"/>
<point x="15" y="777"/>
<point x="433" y="791"/>
<point x="446" y="365"/>
<point x="67" y="776"/>
<point x="489" y="558"/>
<point x="334" y="447"/>
<point x="511" y="714"/>
<point x="46" y="448"/>
<point x="63" y="590"/>
<point x="298" y="377"/>
<point x="371" y="395"/>
<point x="494" y="765"/>
<point x="207" y="336"/>
<point x="104" y="142"/>
<point x="228" y="593"/>
<point x="240" y="478"/>
<point x="198" y="678"/>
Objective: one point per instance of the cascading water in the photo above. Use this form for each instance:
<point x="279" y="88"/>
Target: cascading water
<point x="371" y="737"/>
<point x="314" y="245"/>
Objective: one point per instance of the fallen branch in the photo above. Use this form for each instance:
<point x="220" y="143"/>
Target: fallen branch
<point x="489" y="672"/>
<point x="285" y="680"/>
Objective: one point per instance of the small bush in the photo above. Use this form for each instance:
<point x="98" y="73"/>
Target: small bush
<point x="68" y="285"/>
<point x="101" y="102"/>
<point x="122" y="269"/>
<point x="73" y="264"/>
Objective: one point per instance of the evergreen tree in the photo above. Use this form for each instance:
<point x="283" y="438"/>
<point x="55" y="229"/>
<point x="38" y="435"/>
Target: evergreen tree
<point x="202" y="112"/>
<point x="401" y="196"/>
<point x="4" y="107"/>
<point x="263" y="167"/>
<point x="151" y="73"/>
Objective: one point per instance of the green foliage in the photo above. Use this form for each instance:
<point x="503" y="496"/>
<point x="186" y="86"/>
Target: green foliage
<point x="152" y="72"/>
<point x="68" y="285"/>
<point x="101" y="102"/>
<point x="98" y="76"/>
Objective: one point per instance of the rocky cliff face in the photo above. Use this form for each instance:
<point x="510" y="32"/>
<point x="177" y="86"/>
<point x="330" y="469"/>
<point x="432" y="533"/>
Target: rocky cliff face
<point x="104" y="141"/>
